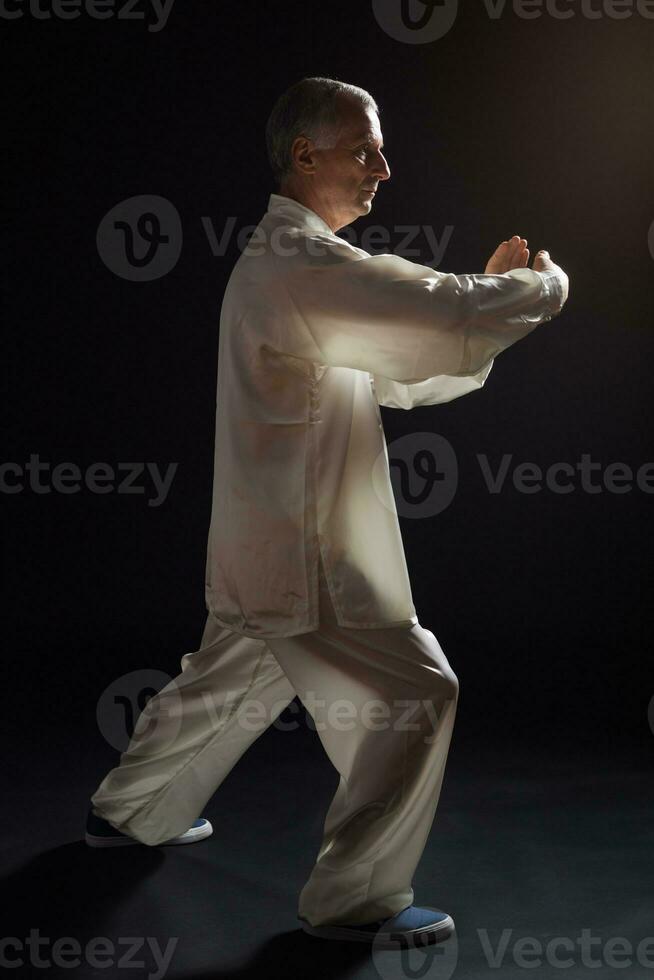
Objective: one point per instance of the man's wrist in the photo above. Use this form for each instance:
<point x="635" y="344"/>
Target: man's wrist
<point x="556" y="283"/>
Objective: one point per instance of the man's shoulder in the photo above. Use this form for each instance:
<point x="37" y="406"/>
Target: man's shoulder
<point x="288" y="244"/>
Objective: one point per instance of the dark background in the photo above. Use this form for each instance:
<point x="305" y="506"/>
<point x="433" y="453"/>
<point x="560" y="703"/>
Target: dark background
<point x="541" y="601"/>
<point x="537" y="127"/>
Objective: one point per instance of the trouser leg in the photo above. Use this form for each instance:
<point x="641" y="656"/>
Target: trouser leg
<point x="389" y="741"/>
<point x="191" y="734"/>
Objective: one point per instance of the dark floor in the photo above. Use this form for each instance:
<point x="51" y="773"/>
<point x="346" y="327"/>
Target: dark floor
<point x="526" y="843"/>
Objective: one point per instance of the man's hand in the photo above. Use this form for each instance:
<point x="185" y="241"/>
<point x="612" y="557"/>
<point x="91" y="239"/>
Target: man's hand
<point x="512" y="254"/>
<point x="543" y="263"/>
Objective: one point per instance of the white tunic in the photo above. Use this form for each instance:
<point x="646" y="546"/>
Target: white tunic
<point x="315" y="334"/>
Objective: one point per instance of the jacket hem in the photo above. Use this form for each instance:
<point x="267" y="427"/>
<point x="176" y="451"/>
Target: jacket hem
<point x="394" y="624"/>
<point x="346" y="623"/>
<point x="262" y="636"/>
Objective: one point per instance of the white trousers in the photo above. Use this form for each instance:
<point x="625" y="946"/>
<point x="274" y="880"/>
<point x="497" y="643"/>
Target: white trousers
<point x="383" y="702"/>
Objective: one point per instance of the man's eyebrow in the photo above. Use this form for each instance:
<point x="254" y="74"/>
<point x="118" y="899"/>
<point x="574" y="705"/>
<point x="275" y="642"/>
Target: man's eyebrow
<point x="368" y="137"/>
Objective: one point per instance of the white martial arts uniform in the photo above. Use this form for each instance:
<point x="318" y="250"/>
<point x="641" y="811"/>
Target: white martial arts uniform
<point x="307" y="587"/>
<point x="315" y="333"/>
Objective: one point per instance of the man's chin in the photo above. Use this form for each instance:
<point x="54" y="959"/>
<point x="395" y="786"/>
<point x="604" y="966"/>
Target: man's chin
<point x="359" y="209"/>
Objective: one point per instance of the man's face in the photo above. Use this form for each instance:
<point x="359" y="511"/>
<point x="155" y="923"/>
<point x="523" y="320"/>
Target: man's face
<point x="346" y="174"/>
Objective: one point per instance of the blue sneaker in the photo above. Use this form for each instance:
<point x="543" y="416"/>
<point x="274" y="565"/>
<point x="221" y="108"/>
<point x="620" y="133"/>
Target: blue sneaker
<point x="100" y="833"/>
<point x="413" y="926"/>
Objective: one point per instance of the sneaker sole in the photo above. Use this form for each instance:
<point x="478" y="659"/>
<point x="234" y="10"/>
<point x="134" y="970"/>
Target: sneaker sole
<point x="436" y="933"/>
<point x="191" y="836"/>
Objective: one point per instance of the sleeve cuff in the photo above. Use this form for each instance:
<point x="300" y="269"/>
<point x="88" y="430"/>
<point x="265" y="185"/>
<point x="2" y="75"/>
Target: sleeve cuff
<point x="556" y="291"/>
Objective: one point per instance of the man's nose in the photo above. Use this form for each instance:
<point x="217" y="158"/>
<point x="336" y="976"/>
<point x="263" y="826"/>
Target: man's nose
<point x="381" y="170"/>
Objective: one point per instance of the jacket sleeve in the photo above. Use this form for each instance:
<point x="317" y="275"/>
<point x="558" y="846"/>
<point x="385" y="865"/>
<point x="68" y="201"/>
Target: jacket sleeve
<point x="433" y="391"/>
<point x="408" y="323"/>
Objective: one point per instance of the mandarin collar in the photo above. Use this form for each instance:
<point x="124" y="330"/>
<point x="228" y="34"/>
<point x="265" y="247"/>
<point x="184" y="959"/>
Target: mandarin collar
<point x="290" y="208"/>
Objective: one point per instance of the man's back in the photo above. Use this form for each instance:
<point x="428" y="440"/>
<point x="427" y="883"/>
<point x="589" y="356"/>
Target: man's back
<point x="288" y="464"/>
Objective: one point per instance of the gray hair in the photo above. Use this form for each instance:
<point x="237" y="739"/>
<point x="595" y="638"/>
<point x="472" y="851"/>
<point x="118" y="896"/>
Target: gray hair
<point x="308" y="108"/>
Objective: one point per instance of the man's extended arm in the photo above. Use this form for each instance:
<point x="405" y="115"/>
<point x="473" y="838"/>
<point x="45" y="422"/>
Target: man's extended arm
<point x="511" y="254"/>
<point x="408" y="323"/>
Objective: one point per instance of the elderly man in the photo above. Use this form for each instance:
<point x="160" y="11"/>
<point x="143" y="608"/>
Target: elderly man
<point x="307" y="588"/>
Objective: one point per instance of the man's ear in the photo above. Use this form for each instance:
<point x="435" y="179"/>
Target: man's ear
<point x="303" y="154"/>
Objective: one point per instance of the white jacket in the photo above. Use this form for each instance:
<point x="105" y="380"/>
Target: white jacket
<point x="315" y="334"/>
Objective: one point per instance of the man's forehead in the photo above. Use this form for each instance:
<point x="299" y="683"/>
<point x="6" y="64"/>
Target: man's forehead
<point x="360" y="126"/>
<point x="369" y="134"/>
